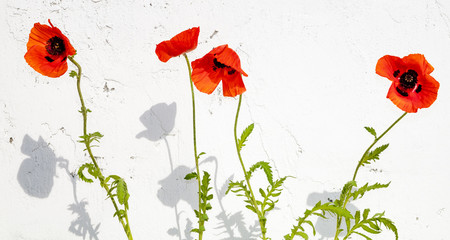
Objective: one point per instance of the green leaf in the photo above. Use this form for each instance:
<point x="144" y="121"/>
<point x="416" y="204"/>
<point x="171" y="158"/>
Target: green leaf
<point x="371" y="131"/>
<point x="73" y="74"/>
<point x="374" y="155"/>
<point x="345" y="193"/>
<point x="80" y="172"/>
<point x="198" y="156"/>
<point x="361" y="191"/>
<point x="371" y="225"/>
<point x="244" y="136"/>
<point x="191" y="175"/>
<point x="263" y="194"/>
<point x="303" y="235"/>
<point x="122" y="192"/>
<point x="319" y="209"/>
<point x="265" y="166"/>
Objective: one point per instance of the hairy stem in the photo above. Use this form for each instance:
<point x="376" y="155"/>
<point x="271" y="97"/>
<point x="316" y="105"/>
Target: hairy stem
<point x="247" y="179"/>
<point x="339" y="219"/>
<point x="84" y="112"/>
<point x="201" y="222"/>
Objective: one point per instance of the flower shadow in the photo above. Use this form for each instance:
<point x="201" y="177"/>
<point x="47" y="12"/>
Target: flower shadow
<point x="327" y="227"/>
<point x="36" y="172"/>
<point x="36" y="176"/>
<point x="159" y="121"/>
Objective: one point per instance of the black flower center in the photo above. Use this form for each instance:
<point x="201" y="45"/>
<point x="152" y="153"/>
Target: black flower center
<point x="55" y="46"/>
<point x="408" y="83"/>
<point x="408" y="79"/>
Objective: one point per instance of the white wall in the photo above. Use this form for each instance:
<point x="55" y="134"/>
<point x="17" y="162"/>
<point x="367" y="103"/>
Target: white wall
<point x="311" y="89"/>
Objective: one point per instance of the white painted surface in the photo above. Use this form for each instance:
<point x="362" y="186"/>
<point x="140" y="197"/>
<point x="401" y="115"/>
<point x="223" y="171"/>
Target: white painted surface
<point x="312" y="88"/>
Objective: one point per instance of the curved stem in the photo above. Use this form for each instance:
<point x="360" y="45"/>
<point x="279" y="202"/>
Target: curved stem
<point x="84" y="112"/>
<point x="201" y="222"/>
<point x="374" y="142"/>
<point x="260" y="217"/>
<point x="339" y="219"/>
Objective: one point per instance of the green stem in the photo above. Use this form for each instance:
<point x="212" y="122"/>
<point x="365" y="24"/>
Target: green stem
<point x="374" y="142"/>
<point x="201" y="222"/>
<point x="247" y="179"/>
<point x="84" y="112"/>
<point x="339" y="219"/>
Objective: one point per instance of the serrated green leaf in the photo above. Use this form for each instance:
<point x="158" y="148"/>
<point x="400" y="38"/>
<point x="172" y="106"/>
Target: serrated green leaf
<point x="362" y="190"/>
<point x="80" y="172"/>
<point x="371" y="225"/>
<point x="122" y="191"/>
<point x="374" y="155"/>
<point x="244" y="136"/>
<point x="318" y="210"/>
<point x="371" y="131"/>
<point x="265" y="166"/>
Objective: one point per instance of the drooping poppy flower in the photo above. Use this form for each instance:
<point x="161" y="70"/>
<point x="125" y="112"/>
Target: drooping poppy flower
<point x="221" y="63"/>
<point x="183" y="42"/>
<point x="47" y="50"/>
<point x="412" y="86"/>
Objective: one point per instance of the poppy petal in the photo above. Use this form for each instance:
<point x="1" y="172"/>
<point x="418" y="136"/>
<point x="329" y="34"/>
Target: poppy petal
<point x="204" y="79"/>
<point x="229" y="57"/>
<point x="387" y="65"/>
<point x="419" y="61"/>
<point x="39" y="35"/>
<point x="183" y="42"/>
<point x="37" y="57"/>
<point x="233" y="85"/>
<point x="400" y="101"/>
<point x="429" y="91"/>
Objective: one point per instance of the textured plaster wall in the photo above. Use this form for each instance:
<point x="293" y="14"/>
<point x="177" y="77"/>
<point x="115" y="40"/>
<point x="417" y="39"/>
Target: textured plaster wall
<point x="311" y="89"/>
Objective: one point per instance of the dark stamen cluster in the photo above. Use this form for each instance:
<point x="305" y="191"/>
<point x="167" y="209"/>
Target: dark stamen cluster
<point x="55" y="46"/>
<point x="408" y="79"/>
<point x="396" y="73"/>
<point x="218" y="64"/>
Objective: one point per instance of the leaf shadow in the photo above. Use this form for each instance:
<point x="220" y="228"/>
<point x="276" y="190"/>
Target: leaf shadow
<point x="231" y="221"/>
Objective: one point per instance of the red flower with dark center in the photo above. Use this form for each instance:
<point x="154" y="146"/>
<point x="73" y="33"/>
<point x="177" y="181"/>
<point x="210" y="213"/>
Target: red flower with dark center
<point x="221" y="63"/>
<point x="412" y="86"/>
<point x="47" y="50"/>
<point x="183" y="42"/>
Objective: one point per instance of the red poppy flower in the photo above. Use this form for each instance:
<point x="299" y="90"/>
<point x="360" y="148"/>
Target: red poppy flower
<point x="47" y="50"/>
<point x="412" y="86"/>
<point x="221" y="63"/>
<point x="183" y="42"/>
